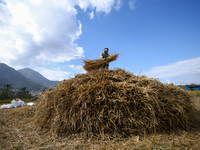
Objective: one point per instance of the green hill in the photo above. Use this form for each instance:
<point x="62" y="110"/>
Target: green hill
<point x="9" y="75"/>
<point x="37" y="77"/>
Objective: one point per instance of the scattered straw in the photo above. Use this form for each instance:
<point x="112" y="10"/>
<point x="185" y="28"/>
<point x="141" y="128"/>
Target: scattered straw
<point x="98" y="63"/>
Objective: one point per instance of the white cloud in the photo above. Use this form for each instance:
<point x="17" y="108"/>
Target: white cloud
<point x="185" y="81"/>
<point x="33" y="32"/>
<point x="168" y="81"/>
<point x="78" y="68"/>
<point x="132" y="4"/>
<point x="3" y="15"/>
<point x="100" y="5"/>
<point x="91" y="15"/>
<point x="184" y="68"/>
<point x="118" y="5"/>
<point x="37" y="32"/>
<point x="55" y="75"/>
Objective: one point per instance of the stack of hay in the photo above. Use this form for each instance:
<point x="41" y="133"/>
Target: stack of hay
<point x="113" y="102"/>
<point x="95" y="64"/>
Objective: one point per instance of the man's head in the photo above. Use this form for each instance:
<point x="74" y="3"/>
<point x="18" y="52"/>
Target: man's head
<point x="106" y="50"/>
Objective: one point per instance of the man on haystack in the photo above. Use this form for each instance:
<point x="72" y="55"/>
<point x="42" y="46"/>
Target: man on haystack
<point x="104" y="55"/>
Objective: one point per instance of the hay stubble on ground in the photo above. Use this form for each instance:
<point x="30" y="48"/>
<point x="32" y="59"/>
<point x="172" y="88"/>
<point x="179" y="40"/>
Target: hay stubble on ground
<point x="17" y="133"/>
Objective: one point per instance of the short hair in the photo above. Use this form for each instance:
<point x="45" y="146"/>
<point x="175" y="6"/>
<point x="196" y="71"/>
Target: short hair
<point x="106" y="49"/>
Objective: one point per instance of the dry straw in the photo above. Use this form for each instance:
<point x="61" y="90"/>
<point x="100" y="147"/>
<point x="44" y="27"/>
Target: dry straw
<point x="114" y="103"/>
<point x="98" y="63"/>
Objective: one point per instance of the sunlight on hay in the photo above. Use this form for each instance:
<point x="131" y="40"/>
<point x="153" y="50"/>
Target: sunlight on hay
<point x="98" y="63"/>
<point x="113" y="102"/>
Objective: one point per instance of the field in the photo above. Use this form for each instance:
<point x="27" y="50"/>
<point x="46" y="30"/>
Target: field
<point x="18" y="133"/>
<point x="194" y="93"/>
<point x="9" y="101"/>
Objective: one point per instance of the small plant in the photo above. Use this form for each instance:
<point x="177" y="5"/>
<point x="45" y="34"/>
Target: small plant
<point x="194" y="92"/>
<point x="5" y="102"/>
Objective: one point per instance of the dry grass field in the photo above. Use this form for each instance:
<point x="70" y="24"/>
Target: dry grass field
<point x="18" y="130"/>
<point x="17" y="133"/>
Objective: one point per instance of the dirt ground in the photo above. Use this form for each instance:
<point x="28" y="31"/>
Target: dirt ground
<point x="17" y="133"/>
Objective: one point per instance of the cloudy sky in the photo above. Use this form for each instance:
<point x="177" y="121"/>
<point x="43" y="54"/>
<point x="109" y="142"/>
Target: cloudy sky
<point x="157" y="38"/>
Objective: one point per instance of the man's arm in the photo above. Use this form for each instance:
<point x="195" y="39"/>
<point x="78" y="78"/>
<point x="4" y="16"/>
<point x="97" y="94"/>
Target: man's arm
<point x="101" y="56"/>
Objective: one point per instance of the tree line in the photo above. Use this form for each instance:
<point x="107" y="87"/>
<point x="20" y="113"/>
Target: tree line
<point x="6" y="93"/>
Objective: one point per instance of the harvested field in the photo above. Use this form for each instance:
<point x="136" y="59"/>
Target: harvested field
<point x="106" y="109"/>
<point x="17" y="133"/>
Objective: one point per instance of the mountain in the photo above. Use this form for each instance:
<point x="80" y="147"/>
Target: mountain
<point x="37" y="77"/>
<point x="9" y="75"/>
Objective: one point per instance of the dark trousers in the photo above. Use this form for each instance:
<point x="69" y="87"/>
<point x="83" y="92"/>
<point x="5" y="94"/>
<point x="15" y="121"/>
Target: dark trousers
<point x="105" y="66"/>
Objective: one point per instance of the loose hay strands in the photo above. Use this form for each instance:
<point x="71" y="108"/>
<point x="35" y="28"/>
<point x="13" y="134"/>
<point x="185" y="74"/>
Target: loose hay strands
<point x="114" y="103"/>
<point x="98" y="63"/>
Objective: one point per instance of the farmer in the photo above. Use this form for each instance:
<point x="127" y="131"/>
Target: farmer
<point x="104" y="55"/>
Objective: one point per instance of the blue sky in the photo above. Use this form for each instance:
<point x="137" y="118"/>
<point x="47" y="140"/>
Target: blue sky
<point x="156" y="38"/>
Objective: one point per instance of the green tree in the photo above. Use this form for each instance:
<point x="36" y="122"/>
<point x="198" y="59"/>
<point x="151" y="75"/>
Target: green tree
<point x="6" y="93"/>
<point x="24" y="93"/>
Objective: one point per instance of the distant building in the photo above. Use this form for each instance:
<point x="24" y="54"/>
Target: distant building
<point x="192" y="87"/>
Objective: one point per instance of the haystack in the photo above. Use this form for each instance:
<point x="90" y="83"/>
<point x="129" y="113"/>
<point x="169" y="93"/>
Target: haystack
<point x="115" y="103"/>
<point x="98" y="63"/>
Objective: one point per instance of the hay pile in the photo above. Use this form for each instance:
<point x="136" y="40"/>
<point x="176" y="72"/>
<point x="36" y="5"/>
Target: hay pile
<point x="98" y="63"/>
<point x="113" y="102"/>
